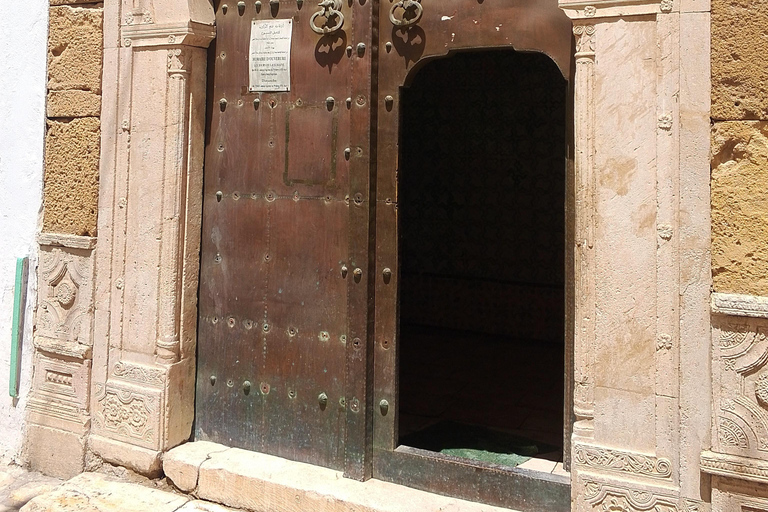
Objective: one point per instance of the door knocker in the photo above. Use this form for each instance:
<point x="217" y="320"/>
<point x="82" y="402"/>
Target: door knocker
<point x="412" y="11"/>
<point x="334" y="19"/>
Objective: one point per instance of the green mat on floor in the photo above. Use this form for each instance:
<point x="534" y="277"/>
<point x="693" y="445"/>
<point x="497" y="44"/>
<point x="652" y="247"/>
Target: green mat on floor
<point x="476" y="443"/>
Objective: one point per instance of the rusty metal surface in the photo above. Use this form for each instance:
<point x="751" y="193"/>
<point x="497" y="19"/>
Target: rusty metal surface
<point x="274" y="337"/>
<point x="513" y="488"/>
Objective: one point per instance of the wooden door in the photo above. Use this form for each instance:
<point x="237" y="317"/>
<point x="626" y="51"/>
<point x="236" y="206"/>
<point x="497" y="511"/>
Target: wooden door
<point x="283" y="309"/>
<point x="411" y="33"/>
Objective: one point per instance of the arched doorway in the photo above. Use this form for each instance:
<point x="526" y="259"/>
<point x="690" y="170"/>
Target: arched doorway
<point x="472" y="277"/>
<point x="482" y="247"/>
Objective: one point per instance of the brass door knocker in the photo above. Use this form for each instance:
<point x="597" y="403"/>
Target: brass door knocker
<point x="334" y="19"/>
<point x="412" y="11"/>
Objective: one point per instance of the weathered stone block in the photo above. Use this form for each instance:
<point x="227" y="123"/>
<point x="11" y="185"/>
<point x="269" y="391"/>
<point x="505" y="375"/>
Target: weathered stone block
<point x="740" y="207"/>
<point x="72" y="176"/>
<point x="739" y="47"/>
<point x="182" y="464"/>
<point x="73" y="103"/>
<point x="55" y="452"/>
<point x="75" y="44"/>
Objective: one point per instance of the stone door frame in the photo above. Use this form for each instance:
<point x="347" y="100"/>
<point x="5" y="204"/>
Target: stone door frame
<point x="139" y="397"/>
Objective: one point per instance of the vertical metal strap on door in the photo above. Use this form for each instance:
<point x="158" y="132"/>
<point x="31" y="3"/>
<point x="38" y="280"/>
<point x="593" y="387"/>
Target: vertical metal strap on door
<point x="359" y="364"/>
<point x="17" y="328"/>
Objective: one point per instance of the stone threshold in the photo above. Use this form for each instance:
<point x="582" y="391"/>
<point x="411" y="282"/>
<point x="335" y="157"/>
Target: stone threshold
<point x="259" y="482"/>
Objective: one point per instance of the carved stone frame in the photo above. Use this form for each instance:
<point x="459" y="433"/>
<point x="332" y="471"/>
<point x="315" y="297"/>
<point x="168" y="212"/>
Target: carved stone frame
<point x="142" y="386"/>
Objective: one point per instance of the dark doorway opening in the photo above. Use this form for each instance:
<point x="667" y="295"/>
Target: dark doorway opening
<point x="481" y="207"/>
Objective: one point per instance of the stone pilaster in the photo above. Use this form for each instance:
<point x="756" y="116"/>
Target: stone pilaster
<point x="149" y="217"/>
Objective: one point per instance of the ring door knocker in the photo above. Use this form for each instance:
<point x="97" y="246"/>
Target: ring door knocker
<point x="412" y="11"/>
<point x="330" y="10"/>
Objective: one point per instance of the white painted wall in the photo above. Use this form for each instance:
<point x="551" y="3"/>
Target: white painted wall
<point x="23" y="40"/>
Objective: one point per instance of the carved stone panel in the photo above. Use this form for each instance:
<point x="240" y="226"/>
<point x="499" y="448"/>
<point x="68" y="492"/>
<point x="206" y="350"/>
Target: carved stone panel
<point x="65" y="300"/>
<point x="60" y="393"/>
<point x="740" y="382"/>
<point x="617" y="496"/>
<point x="128" y="412"/>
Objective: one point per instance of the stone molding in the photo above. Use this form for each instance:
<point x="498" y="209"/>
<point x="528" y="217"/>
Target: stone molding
<point x="734" y="466"/>
<point x="185" y="34"/>
<point x="733" y="304"/>
<point x="591" y="9"/>
<point x="64" y="240"/>
<point x="636" y="464"/>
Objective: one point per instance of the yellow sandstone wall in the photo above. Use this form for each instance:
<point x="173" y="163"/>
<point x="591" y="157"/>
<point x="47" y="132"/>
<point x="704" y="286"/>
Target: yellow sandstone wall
<point x="75" y="45"/>
<point x="740" y="146"/>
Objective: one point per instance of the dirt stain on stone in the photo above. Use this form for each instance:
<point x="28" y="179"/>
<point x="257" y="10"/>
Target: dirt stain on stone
<point x="617" y="174"/>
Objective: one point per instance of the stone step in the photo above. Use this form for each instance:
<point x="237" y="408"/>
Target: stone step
<point x="263" y="483"/>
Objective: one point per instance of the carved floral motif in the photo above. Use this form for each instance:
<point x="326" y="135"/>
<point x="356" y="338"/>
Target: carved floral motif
<point x="625" y="462"/>
<point x="664" y="342"/>
<point x="126" y="414"/>
<point x="733" y="334"/>
<point x="732" y="434"/>
<point x="139" y="373"/>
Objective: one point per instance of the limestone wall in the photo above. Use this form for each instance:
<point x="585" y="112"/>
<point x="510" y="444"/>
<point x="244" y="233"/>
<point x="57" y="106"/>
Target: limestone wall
<point x="75" y="47"/>
<point x="22" y="124"/>
<point x="740" y="146"/>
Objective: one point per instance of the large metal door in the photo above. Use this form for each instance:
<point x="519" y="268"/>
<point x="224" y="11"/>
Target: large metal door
<point x="282" y="350"/>
<point x="410" y="33"/>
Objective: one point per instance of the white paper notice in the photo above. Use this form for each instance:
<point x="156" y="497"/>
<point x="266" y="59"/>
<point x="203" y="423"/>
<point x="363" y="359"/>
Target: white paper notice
<point x="270" y="56"/>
